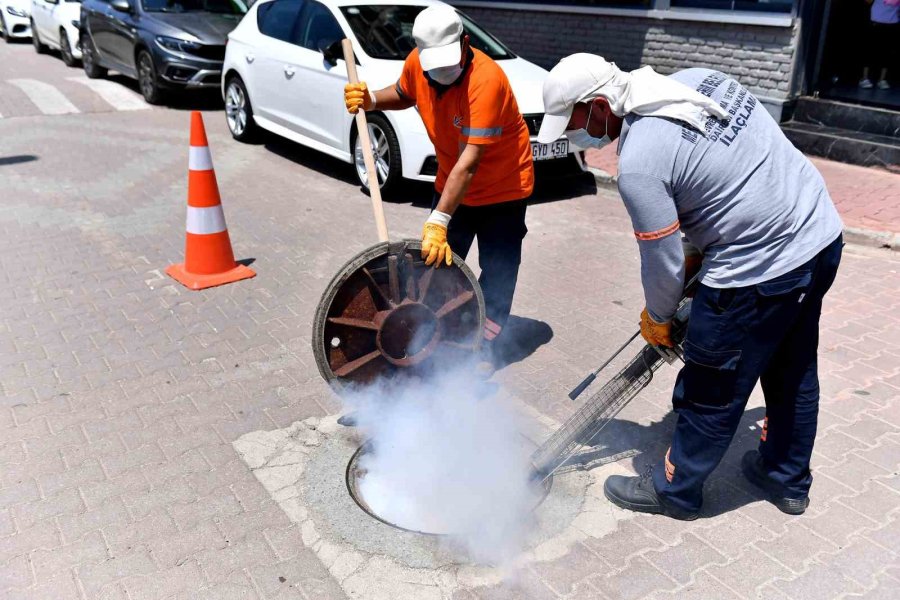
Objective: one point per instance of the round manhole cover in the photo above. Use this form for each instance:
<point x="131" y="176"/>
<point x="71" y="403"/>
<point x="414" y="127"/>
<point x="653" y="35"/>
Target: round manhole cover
<point x="386" y="313"/>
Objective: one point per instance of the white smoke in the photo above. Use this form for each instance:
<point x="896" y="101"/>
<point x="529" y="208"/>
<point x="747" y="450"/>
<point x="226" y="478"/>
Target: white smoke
<point x="449" y="458"/>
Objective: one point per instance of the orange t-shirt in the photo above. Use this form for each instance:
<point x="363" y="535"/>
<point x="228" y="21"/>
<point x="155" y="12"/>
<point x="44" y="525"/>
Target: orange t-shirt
<point x="481" y="109"/>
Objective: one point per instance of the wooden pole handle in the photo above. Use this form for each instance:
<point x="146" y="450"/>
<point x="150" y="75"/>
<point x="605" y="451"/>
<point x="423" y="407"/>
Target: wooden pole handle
<point x="362" y="129"/>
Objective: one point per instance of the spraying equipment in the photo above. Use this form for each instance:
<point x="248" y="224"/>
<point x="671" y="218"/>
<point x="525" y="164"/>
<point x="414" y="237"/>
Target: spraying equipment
<point x="600" y="409"/>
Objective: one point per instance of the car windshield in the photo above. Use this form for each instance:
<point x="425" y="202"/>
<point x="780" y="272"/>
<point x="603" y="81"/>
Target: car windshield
<point x="227" y="7"/>
<point x="385" y="31"/>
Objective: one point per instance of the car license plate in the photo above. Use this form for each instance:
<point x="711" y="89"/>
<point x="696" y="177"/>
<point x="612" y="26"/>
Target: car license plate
<point x="557" y="149"/>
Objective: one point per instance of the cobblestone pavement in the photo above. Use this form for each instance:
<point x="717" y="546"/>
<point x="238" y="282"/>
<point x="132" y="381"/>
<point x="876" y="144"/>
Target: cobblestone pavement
<point x="121" y="392"/>
<point x="866" y="198"/>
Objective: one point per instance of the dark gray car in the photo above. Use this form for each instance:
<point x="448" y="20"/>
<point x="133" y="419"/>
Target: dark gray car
<point x="164" y="44"/>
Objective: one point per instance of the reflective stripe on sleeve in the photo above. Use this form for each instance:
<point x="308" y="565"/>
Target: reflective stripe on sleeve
<point x="206" y="220"/>
<point x="200" y="159"/>
<point x="645" y="236"/>
<point x="482" y="131"/>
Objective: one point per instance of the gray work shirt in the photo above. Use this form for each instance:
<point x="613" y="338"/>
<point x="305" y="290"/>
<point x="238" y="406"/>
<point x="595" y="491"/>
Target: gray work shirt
<point x="742" y="194"/>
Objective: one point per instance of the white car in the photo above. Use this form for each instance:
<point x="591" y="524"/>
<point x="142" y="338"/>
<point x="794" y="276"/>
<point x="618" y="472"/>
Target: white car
<point x="284" y="72"/>
<point x="55" y="23"/>
<point x="14" y="22"/>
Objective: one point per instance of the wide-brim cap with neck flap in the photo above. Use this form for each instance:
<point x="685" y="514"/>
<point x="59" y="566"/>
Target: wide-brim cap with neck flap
<point x="569" y="82"/>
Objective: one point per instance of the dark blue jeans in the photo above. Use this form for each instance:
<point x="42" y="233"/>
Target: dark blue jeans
<point x="736" y="337"/>
<point x="500" y="229"/>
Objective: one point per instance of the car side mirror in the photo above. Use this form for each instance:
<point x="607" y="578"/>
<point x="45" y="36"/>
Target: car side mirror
<point x="121" y="5"/>
<point x="331" y="52"/>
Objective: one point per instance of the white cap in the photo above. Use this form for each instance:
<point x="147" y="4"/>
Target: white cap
<point x="571" y="81"/>
<point x="437" y="30"/>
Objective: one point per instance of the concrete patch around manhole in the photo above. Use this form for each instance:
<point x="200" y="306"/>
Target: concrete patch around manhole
<point x="303" y="468"/>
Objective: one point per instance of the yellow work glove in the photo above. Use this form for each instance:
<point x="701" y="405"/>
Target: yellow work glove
<point x="435" y="248"/>
<point x="656" y="334"/>
<point x="357" y="95"/>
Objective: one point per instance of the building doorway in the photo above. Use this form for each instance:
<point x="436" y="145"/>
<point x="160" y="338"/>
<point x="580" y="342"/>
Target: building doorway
<point x="848" y="47"/>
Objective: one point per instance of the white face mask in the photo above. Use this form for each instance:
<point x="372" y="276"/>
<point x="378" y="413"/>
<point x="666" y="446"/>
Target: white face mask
<point x="446" y="75"/>
<point x="580" y="138"/>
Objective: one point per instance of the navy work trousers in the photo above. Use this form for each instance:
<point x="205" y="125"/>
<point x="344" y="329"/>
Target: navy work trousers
<point x="500" y="229"/>
<point x="736" y="337"/>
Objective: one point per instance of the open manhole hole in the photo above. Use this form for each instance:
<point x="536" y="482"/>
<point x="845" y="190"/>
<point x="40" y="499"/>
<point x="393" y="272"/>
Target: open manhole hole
<point x="407" y="511"/>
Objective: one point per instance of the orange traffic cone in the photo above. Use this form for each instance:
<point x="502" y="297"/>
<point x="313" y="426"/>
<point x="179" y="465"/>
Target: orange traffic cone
<point x="208" y="258"/>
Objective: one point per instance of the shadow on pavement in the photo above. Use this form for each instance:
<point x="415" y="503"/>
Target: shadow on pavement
<point x="725" y="490"/>
<point x="206" y="99"/>
<point x="416" y="193"/>
<point x="309" y="158"/>
<point x="17" y="159"/>
<point x="520" y="338"/>
<point x="563" y="187"/>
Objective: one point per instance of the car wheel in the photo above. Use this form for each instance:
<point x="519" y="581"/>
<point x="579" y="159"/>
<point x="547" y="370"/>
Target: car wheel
<point x="239" y="111"/>
<point x="147" y="78"/>
<point x="89" y="58"/>
<point x="36" y="40"/>
<point x="65" y="48"/>
<point x="386" y="151"/>
<point x="3" y="29"/>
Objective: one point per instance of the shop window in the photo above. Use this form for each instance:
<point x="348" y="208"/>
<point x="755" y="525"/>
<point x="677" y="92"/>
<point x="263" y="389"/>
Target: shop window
<point x="772" y="6"/>
<point x="645" y="4"/>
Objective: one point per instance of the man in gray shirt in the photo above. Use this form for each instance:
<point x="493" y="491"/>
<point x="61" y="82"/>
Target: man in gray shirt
<point x="699" y="155"/>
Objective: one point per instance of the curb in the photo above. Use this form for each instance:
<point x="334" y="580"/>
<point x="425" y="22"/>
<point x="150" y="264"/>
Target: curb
<point x="852" y="235"/>
<point x="869" y="237"/>
<point x="602" y="177"/>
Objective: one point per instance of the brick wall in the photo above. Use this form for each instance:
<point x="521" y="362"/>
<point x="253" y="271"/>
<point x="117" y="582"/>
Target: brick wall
<point x="759" y="56"/>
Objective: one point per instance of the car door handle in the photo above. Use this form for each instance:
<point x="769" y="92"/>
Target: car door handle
<point x="288" y="72"/>
<point x="249" y="58"/>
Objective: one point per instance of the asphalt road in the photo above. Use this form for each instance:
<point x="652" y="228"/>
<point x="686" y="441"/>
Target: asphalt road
<point x="121" y="392"/>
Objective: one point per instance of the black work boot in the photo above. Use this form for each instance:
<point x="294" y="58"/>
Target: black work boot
<point x="754" y="468"/>
<point x="639" y="495"/>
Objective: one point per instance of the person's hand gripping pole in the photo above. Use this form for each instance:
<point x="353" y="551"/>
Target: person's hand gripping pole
<point x="656" y="333"/>
<point x="358" y="99"/>
<point x="358" y="95"/>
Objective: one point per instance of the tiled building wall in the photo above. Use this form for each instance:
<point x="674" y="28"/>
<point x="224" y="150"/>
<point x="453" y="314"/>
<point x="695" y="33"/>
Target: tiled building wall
<point x="761" y="57"/>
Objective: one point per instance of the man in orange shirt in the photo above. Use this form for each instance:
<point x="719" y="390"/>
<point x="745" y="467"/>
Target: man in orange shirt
<point x="485" y="171"/>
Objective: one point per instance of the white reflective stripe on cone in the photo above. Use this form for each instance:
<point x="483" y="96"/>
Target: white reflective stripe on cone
<point x="206" y="220"/>
<point x="200" y="159"/>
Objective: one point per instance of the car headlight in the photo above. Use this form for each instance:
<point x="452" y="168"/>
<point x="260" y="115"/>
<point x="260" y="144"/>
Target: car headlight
<point x="176" y="45"/>
<point x="16" y="12"/>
